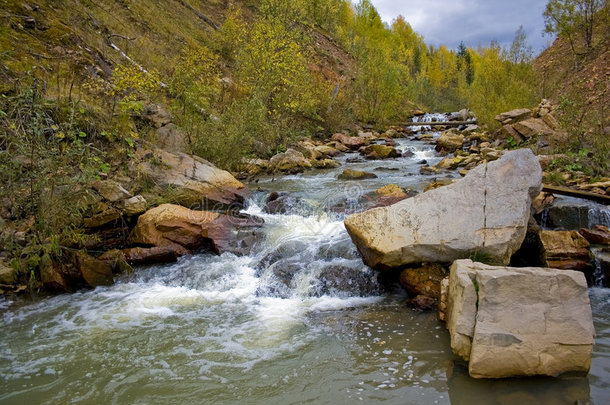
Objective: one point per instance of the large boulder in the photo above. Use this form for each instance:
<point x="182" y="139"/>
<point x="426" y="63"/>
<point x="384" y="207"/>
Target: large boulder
<point x="510" y="322"/>
<point x="485" y="213"/>
<point x="449" y="141"/>
<point x="291" y="161"/>
<point x="379" y="152"/>
<point x="194" y="181"/>
<point x="183" y="230"/>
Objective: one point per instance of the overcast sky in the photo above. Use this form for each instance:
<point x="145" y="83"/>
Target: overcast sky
<point x="447" y="22"/>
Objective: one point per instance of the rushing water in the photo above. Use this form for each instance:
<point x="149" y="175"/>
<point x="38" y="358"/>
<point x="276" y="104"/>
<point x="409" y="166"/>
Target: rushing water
<point x="224" y="329"/>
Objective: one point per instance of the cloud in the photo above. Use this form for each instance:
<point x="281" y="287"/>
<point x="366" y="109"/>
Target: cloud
<point x="447" y="22"/>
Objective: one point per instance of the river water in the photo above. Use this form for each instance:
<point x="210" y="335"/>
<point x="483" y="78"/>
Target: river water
<point x="229" y="330"/>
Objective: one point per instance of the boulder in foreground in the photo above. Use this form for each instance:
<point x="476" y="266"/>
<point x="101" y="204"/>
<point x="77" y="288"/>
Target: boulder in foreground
<point x="485" y="213"/>
<point x="179" y="231"/>
<point x="509" y="322"/>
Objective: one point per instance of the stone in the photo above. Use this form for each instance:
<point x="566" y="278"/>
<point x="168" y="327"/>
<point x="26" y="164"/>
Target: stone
<point x="451" y="163"/>
<point x="52" y="276"/>
<point x="193" y="181"/>
<point x="340" y="280"/>
<point x="508" y="132"/>
<point x="338" y="146"/>
<point x="157" y="254"/>
<point x="134" y="205"/>
<point x="514" y="115"/>
<point x="449" y="141"/>
<point x="533" y="127"/>
<point x="174" y="226"/>
<point x="308" y="150"/>
<point x="326" y="164"/>
<point x="424" y="280"/>
<point x="550" y="120"/>
<point x="111" y="190"/>
<point x="567" y="215"/>
<point x="486" y="212"/>
<point x="117" y="261"/>
<point x="510" y="322"/>
<point x="599" y="235"/>
<point x="8" y="276"/>
<point x="171" y="138"/>
<point x="566" y="250"/>
<point x="351" y="142"/>
<point x="391" y="190"/>
<point x="379" y="152"/>
<point x="184" y="230"/>
<point x="350" y="174"/>
<point x="156" y="115"/>
<point x="102" y="219"/>
<point x="327" y="151"/>
<point x="429" y="170"/>
<point x="95" y="272"/>
<point x="291" y="161"/>
<point x="254" y="167"/>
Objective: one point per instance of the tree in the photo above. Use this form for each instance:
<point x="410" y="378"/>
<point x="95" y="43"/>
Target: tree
<point x="464" y="63"/>
<point x="573" y="18"/>
<point x="520" y="51"/>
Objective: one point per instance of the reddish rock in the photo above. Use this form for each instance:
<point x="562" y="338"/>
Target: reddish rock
<point x="352" y="142"/>
<point x="158" y="254"/>
<point x="599" y="235"/>
<point x="565" y="250"/>
<point x="424" y="280"/>
<point x="183" y="230"/>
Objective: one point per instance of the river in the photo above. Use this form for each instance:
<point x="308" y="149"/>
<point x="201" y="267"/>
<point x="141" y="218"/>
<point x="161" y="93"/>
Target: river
<point x="225" y="330"/>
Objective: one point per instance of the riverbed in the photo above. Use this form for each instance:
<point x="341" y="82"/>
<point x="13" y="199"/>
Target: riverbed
<point x="222" y="329"/>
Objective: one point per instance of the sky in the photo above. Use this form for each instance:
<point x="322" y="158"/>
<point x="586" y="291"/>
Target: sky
<point x="447" y="22"/>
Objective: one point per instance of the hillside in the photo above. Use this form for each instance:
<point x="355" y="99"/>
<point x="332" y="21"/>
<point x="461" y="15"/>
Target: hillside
<point x="577" y="81"/>
<point x="584" y="79"/>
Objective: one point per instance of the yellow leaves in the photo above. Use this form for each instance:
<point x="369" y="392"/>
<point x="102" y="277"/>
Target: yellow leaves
<point x="273" y="66"/>
<point x="132" y="83"/>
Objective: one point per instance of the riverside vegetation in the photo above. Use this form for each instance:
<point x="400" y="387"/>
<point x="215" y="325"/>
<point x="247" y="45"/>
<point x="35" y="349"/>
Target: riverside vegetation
<point x="81" y="82"/>
<point x="279" y="156"/>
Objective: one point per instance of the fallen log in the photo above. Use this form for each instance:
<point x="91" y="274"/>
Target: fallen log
<point x="437" y="124"/>
<point x="570" y="192"/>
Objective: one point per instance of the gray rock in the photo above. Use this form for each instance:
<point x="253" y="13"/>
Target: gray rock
<point x="134" y="205"/>
<point x="519" y="321"/>
<point x="485" y="213"/>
